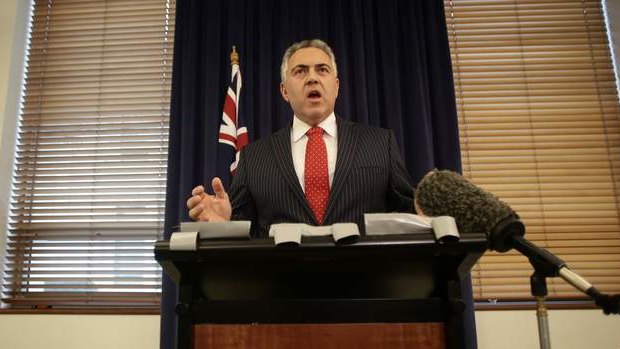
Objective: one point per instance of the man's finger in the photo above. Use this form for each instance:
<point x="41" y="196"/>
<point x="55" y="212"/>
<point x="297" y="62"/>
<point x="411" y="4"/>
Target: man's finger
<point x="198" y="190"/>
<point x="193" y="201"/>
<point x="194" y="212"/>
<point x="218" y="187"/>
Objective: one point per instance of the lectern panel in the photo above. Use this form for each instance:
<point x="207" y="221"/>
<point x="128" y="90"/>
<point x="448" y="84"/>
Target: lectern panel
<point x="312" y="336"/>
<point x="332" y="278"/>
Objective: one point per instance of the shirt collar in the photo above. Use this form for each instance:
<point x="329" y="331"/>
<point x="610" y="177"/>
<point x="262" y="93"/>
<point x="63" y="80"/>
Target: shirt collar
<point x="300" y="128"/>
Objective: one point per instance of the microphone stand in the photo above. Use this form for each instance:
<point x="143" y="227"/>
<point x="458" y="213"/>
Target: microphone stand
<point x="545" y="265"/>
<point x="538" y="287"/>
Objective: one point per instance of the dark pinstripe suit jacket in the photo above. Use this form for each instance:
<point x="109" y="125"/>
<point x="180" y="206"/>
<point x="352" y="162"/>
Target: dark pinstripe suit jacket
<point x="369" y="177"/>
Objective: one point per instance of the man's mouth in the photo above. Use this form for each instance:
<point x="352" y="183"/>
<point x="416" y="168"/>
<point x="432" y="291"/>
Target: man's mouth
<point x="314" y="95"/>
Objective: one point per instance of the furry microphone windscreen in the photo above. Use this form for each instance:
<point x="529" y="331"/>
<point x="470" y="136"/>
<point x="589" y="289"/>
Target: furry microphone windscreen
<point x="446" y="193"/>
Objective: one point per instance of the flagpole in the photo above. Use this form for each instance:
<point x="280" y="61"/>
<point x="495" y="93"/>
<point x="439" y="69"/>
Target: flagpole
<point x="234" y="56"/>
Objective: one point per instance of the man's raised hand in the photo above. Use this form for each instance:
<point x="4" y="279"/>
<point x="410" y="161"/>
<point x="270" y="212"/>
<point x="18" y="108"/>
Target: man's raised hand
<point x="206" y="207"/>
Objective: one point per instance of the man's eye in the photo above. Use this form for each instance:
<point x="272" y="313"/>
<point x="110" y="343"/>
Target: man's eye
<point x="299" y="72"/>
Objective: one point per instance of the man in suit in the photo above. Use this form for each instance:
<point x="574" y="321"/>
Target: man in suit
<point x="321" y="170"/>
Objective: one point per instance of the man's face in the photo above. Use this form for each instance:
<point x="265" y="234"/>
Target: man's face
<point x="311" y="86"/>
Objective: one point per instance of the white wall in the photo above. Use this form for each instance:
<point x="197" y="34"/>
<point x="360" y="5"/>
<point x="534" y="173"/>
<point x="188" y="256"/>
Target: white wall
<point x="570" y="329"/>
<point x="12" y="31"/>
<point x="612" y="14"/>
<point x="79" y="331"/>
<point x="7" y="24"/>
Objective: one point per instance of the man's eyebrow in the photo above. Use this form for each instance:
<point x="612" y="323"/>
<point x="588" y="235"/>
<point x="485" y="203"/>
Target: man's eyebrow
<point x="305" y="66"/>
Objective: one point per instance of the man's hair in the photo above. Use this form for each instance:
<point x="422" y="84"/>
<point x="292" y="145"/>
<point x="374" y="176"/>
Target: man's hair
<point x="317" y="43"/>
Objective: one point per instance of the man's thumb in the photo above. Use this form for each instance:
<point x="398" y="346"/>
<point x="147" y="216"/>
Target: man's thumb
<point x="218" y="187"/>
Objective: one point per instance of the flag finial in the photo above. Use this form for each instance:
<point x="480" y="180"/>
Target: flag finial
<point x="234" y="56"/>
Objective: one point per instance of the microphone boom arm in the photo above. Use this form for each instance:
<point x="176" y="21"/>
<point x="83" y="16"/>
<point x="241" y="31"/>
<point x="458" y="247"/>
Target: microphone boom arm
<point x="550" y="265"/>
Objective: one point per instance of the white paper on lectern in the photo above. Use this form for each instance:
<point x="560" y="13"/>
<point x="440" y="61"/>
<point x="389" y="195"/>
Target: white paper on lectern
<point x="292" y="232"/>
<point x="396" y="223"/>
<point x="184" y="241"/>
<point x="344" y="230"/>
<point x="310" y="230"/>
<point x="286" y="233"/>
<point x="219" y="230"/>
<point x="445" y="227"/>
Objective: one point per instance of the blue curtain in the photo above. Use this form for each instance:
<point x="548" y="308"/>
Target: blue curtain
<point x="394" y="69"/>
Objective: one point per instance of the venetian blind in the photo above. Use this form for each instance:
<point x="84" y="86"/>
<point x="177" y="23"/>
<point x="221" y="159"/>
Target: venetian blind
<point x="89" y="182"/>
<point x="538" y="117"/>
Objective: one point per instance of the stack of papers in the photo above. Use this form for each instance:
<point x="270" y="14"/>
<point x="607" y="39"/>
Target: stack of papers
<point x="443" y="227"/>
<point x="284" y="233"/>
<point x="191" y="232"/>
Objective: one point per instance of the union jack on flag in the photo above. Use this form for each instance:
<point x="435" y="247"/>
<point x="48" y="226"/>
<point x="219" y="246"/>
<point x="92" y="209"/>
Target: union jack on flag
<point x="233" y="132"/>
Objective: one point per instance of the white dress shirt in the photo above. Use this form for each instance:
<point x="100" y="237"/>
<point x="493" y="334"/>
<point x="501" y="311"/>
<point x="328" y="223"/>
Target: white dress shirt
<point x="299" y="141"/>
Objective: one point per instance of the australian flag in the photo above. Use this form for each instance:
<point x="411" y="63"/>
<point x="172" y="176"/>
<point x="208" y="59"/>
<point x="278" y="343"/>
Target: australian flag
<point x="233" y="131"/>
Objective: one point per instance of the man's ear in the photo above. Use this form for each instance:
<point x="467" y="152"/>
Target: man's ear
<point x="283" y="91"/>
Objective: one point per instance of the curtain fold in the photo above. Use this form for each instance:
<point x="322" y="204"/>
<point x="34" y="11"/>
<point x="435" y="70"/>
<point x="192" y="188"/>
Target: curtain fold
<point x="394" y="68"/>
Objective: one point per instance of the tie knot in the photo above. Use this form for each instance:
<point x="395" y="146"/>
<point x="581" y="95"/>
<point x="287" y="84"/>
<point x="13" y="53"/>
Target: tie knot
<point x="315" y="131"/>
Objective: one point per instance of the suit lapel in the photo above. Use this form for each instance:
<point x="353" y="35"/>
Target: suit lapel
<point x="281" y="145"/>
<point x="347" y="142"/>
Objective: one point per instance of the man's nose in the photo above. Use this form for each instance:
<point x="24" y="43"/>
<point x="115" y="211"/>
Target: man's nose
<point x="311" y="78"/>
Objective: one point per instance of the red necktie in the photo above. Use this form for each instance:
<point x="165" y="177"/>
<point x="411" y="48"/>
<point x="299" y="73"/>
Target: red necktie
<point x="316" y="178"/>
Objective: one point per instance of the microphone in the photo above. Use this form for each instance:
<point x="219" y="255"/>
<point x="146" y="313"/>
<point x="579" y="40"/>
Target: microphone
<point x="446" y="193"/>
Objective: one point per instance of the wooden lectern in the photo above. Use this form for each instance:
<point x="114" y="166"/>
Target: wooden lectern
<point x="393" y="291"/>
